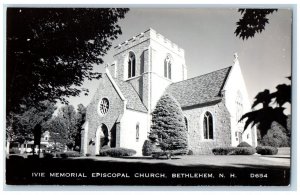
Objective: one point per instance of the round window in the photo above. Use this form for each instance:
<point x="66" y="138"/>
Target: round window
<point x="104" y="106"/>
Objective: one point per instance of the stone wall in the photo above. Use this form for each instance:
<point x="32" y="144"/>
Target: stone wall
<point x="221" y="131"/>
<point x="94" y="118"/>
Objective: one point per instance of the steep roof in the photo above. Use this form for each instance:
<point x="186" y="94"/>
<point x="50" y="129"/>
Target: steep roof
<point x="133" y="100"/>
<point x="201" y="89"/>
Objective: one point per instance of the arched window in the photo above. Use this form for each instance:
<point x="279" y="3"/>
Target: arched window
<point x="137" y="132"/>
<point x="168" y="68"/>
<point x="208" y="126"/>
<point x="239" y="106"/>
<point x="131" y="65"/>
<point x="186" y="124"/>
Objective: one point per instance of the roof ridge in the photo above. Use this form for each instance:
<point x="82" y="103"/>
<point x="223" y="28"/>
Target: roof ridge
<point x="202" y="75"/>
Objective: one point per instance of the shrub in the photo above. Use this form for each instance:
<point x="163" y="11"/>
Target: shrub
<point x="266" y="150"/>
<point x="48" y="155"/>
<point x="148" y="148"/>
<point x="14" y="151"/>
<point x="88" y="154"/>
<point x="168" y="124"/>
<point x="243" y="151"/>
<point x="68" y="154"/>
<point x="222" y="150"/>
<point x="190" y="152"/>
<point x="117" y="152"/>
<point x="244" y="144"/>
<point x="233" y="151"/>
<point x="105" y="147"/>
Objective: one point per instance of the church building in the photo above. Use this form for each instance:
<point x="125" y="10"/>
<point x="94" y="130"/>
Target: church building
<point x="144" y="68"/>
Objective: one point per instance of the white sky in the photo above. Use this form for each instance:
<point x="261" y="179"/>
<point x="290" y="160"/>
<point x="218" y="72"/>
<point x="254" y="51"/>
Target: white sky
<point x="207" y="36"/>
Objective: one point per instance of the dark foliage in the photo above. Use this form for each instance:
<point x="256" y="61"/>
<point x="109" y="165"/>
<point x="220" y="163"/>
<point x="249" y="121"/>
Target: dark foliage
<point x="276" y="137"/>
<point x="117" y="152"/>
<point x="14" y="151"/>
<point x="190" y="152"/>
<point x="244" y="144"/>
<point x="243" y="151"/>
<point x="68" y="154"/>
<point x="265" y="116"/>
<point x="253" y="21"/>
<point x="48" y="155"/>
<point x="266" y="150"/>
<point x="148" y="148"/>
<point x="233" y="151"/>
<point x="168" y="124"/>
<point x="222" y="150"/>
<point x="50" y="51"/>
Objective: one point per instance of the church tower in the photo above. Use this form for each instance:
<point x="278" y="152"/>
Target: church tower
<point x="150" y="63"/>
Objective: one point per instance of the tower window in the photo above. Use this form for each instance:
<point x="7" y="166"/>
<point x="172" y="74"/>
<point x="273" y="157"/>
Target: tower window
<point x="131" y="65"/>
<point x="208" y="126"/>
<point x="186" y="123"/>
<point x="137" y="133"/>
<point x="168" y="68"/>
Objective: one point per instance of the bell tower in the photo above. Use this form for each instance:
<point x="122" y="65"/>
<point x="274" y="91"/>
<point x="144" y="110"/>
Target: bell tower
<point x="150" y="63"/>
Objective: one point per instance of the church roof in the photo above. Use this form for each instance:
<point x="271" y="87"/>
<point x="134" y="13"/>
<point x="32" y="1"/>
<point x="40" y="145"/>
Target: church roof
<point x="201" y="89"/>
<point x="133" y="100"/>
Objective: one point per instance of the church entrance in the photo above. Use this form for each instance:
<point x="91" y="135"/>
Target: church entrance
<point x="104" y="136"/>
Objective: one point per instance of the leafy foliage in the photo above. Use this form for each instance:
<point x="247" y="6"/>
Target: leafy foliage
<point x="244" y="144"/>
<point x="276" y="137"/>
<point x="266" y="150"/>
<point x="233" y="151"/>
<point x="168" y="124"/>
<point x="117" y="152"/>
<point x="20" y="126"/>
<point x="65" y="128"/>
<point x="265" y="116"/>
<point x="50" y="51"/>
<point x="148" y="148"/>
<point x="253" y="21"/>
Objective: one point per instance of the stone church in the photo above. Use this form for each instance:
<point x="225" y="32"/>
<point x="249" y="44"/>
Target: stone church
<point x="144" y="68"/>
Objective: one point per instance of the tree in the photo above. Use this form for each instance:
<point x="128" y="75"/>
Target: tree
<point x="253" y="21"/>
<point x="80" y="120"/>
<point x="51" y="51"/>
<point x="266" y="115"/>
<point x="28" y="125"/>
<point x="276" y="137"/>
<point x="67" y="118"/>
<point x="168" y="124"/>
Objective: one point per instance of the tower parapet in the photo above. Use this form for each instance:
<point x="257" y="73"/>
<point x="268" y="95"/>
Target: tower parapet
<point x="144" y="36"/>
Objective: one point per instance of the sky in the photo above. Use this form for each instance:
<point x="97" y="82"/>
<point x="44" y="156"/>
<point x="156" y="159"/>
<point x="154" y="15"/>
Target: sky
<point x="207" y="36"/>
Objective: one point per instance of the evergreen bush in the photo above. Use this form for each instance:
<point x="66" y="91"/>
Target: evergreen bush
<point x="168" y="124"/>
<point x="244" y="144"/>
<point x="266" y="150"/>
<point x="233" y="150"/>
<point x="148" y="148"/>
<point x="117" y="152"/>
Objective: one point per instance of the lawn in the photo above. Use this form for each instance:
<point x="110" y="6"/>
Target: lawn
<point x="193" y="170"/>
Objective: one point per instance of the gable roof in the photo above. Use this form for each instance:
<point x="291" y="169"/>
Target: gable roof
<point x="133" y="100"/>
<point x="201" y="89"/>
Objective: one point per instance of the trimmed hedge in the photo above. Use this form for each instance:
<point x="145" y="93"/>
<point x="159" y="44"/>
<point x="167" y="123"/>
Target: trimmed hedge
<point x="233" y="151"/>
<point x="244" y="144"/>
<point x="266" y="150"/>
<point x="243" y="151"/>
<point x="117" y="152"/>
<point x="48" y="155"/>
<point x="68" y="154"/>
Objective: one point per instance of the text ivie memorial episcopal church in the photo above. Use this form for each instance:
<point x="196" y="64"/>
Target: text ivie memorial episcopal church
<point x="144" y="68"/>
